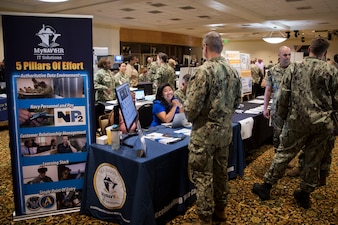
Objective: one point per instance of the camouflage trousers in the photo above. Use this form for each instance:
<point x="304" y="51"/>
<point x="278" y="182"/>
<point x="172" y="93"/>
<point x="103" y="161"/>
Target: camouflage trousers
<point x="208" y="165"/>
<point x="277" y="124"/>
<point x="313" y="141"/>
<point x="325" y="164"/>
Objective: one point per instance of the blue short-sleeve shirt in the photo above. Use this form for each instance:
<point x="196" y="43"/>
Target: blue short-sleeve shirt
<point x="158" y="107"/>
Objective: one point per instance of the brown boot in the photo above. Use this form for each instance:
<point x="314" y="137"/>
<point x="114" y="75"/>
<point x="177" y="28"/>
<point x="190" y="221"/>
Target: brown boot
<point x="293" y="162"/>
<point x="294" y="172"/>
<point x="219" y="214"/>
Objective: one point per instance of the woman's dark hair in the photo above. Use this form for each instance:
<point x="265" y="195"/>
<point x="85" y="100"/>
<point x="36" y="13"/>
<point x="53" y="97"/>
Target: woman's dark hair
<point x="159" y="95"/>
<point x="130" y="57"/>
<point x="163" y="57"/>
<point x="102" y="62"/>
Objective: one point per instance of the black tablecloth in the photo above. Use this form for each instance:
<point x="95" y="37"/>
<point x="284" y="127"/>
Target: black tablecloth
<point x="149" y="190"/>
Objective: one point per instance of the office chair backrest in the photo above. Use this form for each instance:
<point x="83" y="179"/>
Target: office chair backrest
<point x="103" y="123"/>
<point x="99" y="110"/>
<point x="145" y="115"/>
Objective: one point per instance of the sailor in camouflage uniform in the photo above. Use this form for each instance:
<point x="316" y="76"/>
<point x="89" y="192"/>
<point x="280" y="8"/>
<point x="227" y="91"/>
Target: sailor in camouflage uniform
<point x="275" y="75"/>
<point x="307" y="98"/>
<point x="164" y="73"/>
<point x="181" y="93"/>
<point x="121" y="76"/>
<point x="104" y="81"/>
<point x="213" y="94"/>
<point x="131" y="72"/>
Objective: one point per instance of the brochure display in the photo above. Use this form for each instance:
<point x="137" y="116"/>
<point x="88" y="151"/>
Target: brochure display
<point x="241" y="62"/>
<point x="49" y="67"/>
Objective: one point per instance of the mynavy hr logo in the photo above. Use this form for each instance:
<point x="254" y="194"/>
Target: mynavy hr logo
<point x="49" y="48"/>
<point x="48" y="36"/>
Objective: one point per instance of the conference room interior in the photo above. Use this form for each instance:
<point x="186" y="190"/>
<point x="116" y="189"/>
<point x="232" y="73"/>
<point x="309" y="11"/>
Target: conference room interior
<point x="144" y="43"/>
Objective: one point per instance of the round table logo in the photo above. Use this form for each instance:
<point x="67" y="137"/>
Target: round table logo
<point x="109" y="186"/>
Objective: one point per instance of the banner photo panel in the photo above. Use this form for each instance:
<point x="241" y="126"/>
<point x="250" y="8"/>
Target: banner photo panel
<point x="49" y="67"/>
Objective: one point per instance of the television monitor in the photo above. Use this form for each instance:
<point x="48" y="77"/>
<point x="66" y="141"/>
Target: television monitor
<point x="126" y="104"/>
<point x="118" y="58"/>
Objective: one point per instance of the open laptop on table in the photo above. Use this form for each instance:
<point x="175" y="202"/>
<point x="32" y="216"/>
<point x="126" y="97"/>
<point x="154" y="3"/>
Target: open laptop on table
<point x="180" y="121"/>
<point x="139" y="95"/>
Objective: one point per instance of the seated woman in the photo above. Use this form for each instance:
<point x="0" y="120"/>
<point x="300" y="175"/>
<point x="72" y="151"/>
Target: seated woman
<point x="165" y="105"/>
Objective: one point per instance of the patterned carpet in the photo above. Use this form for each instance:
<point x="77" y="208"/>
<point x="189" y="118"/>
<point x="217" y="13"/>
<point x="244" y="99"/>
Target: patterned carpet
<point x="243" y="206"/>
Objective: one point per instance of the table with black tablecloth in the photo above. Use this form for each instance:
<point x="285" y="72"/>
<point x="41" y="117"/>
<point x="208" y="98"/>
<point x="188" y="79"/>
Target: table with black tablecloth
<point x="155" y="188"/>
<point x="261" y="131"/>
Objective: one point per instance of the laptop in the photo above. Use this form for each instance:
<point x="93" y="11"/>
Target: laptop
<point x="139" y="95"/>
<point x="179" y="121"/>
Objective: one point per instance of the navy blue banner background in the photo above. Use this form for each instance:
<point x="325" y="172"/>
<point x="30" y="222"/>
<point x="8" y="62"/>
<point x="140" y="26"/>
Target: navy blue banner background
<point x="49" y="76"/>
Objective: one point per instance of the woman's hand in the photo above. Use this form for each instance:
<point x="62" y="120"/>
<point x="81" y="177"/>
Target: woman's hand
<point x="176" y="103"/>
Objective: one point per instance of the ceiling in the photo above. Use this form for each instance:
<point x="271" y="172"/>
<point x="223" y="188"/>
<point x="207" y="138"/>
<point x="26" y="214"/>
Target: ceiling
<point x="234" y="19"/>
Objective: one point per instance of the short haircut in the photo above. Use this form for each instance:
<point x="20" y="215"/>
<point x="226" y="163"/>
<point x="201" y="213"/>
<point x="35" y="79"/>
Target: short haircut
<point x="163" y="56"/>
<point x="319" y="45"/>
<point x="130" y="57"/>
<point x="102" y="62"/>
<point x="214" y="41"/>
<point x="186" y="78"/>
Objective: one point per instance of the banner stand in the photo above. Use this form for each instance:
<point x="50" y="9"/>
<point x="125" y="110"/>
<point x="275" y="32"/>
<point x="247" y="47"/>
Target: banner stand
<point x="49" y="77"/>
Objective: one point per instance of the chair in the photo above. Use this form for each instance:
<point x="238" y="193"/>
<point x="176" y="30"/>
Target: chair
<point x="99" y="110"/>
<point x="145" y="115"/>
<point x="103" y="123"/>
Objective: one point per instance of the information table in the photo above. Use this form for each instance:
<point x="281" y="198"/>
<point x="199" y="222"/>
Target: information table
<point x="123" y="188"/>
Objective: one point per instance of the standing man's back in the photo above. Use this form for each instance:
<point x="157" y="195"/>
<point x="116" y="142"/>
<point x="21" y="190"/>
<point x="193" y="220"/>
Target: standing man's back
<point x="213" y="94"/>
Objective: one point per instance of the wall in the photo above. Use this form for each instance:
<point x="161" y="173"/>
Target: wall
<point x="109" y="36"/>
<point x="260" y="49"/>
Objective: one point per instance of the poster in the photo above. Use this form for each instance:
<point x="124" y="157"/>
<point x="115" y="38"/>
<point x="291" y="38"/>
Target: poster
<point x="49" y="66"/>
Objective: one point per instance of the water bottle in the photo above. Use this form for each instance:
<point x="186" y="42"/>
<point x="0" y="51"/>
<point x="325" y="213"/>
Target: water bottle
<point x="115" y="136"/>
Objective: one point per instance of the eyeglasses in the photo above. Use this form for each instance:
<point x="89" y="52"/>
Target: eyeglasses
<point x="286" y="55"/>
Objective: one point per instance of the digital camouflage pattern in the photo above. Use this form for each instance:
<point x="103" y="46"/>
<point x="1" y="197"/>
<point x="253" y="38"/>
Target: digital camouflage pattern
<point x="274" y="79"/>
<point x="180" y="95"/>
<point x="104" y="85"/>
<point x="213" y="94"/>
<point x="121" y="78"/>
<point x="164" y="74"/>
<point x="308" y="95"/>
<point x="256" y="73"/>
<point x="132" y="75"/>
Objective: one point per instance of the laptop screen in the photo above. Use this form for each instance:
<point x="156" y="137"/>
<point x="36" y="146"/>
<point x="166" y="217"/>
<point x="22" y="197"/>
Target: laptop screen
<point x="139" y="94"/>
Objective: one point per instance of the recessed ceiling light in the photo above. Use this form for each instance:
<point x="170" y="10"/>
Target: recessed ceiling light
<point x="53" y="0"/>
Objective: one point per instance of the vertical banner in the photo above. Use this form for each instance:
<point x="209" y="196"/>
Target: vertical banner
<point x="49" y="79"/>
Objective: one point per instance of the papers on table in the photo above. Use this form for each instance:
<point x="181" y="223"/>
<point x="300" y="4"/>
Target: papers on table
<point x="184" y="131"/>
<point x="257" y="101"/>
<point x="256" y="110"/>
<point x="165" y="138"/>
